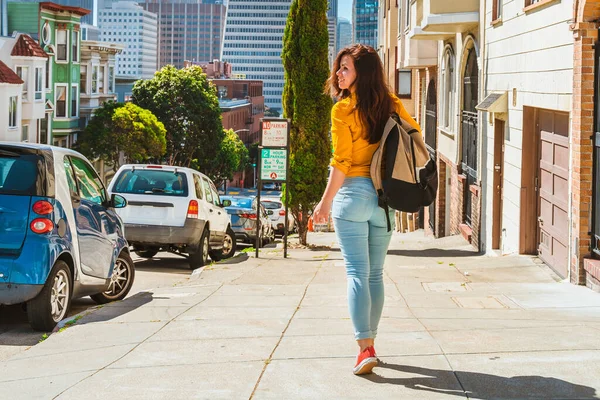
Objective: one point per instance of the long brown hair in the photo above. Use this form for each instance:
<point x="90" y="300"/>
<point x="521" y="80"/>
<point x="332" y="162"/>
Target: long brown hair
<point x="373" y="99"/>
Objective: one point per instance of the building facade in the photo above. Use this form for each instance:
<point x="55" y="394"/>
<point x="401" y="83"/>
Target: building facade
<point x="11" y="90"/>
<point x="57" y="29"/>
<point x="344" y="33"/>
<point x="253" y="44"/>
<point x="92" y="5"/>
<point x="365" y="19"/>
<point x="332" y="19"/>
<point x="188" y="30"/>
<point x="129" y="25"/>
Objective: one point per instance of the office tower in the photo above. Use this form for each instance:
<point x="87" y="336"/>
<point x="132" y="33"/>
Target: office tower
<point x="92" y="5"/>
<point x="365" y="17"/>
<point x="344" y="33"/>
<point x="189" y="30"/>
<point x="128" y="24"/>
<point x="332" y="17"/>
<point x="253" y="43"/>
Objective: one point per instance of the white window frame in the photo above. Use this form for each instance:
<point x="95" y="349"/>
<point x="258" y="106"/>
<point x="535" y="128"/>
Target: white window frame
<point x="101" y="79"/>
<point x="67" y="34"/>
<point x="448" y="90"/>
<point x="24" y="75"/>
<point x="111" y="79"/>
<point x="83" y="84"/>
<point x="66" y="86"/>
<point x="38" y="78"/>
<point x="75" y="50"/>
<point x="76" y="86"/>
<point x="13" y="115"/>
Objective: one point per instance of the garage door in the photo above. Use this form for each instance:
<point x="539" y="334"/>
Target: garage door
<point x="554" y="189"/>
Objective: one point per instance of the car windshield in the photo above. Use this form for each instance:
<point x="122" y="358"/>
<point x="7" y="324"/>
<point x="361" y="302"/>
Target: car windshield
<point x="152" y="182"/>
<point x="19" y="173"/>
<point x="271" y="205"/>
<point x="241" y="202"/>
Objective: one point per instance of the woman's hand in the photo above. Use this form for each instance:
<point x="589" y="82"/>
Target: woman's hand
<point x="321" y="212"/>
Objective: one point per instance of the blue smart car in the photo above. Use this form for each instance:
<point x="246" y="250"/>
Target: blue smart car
<point x="60" y="237"/>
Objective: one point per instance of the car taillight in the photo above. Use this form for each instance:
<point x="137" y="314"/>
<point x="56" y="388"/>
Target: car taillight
<point x="282" y="212"/>
<point x="154" y="166"/>
<point x="192" y="211"/>
<point x="249" y="216"/>
<point x="42" y="207"/>
<point x="41" y="225"/>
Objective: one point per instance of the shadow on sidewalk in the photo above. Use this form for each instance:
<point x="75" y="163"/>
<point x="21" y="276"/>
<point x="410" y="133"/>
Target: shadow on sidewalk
<point x="436" y="253"/>
<point x="484" y="386"/>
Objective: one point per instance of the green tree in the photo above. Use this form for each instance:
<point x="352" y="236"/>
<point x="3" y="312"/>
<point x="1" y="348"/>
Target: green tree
<point x="306" y="66"/>
<point x="122" y="131"/>
<point x="187" y="104"/>
<point x="232" y="157"/>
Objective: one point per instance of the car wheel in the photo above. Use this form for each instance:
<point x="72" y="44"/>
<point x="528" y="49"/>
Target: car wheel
<point x="146" y="253"/>
<point x="200" y="257"/>
<point x="229" y="247"/>
<point x="52" y="304"/>
<point x="120" y="281"/>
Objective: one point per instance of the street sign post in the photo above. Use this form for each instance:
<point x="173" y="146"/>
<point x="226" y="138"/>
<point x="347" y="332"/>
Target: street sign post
<point x="273" y="165"/>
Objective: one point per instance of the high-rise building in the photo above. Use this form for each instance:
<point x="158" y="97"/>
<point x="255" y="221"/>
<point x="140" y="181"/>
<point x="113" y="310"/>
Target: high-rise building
<point x="365" y="18"/>
<point x="128" y="24"/>
<point x="344" y="33"/>
<point x="332" y="17"/>
<point x="253" y="43"/>
<point x="92" y="5"/>
<point x="188" y="29"/>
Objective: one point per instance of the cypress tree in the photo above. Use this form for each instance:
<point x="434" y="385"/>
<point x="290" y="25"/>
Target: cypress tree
<point x="306" y="69"/>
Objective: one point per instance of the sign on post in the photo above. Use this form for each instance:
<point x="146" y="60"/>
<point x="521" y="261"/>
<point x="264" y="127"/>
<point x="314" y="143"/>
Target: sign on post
<point x="273" y="165"/>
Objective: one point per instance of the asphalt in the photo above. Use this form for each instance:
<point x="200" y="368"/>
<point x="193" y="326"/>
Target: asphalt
<point x="456" y="324"/>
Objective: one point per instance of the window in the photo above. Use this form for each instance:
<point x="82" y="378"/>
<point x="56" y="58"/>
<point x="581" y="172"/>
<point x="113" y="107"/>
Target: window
<point x="94" y="79"/>
<point x="75" y="45"/>
<point x="38" y="83"/>
<point x="101" y="80"/>
<point x="12" y="111"/>
<point x="531" y="2"/>
<point x="83" y="79"/>
<point x="70" y="177"/>
<point x="404" y="83"/>
<point x="74" y="94"/>
<point x="60" y="101"/>
<point x="23" y="74"/>
<point x="25" y="133"/>
<point x="48" y="66"/>
<point x="111" y="79"/>
<point x="215" y="195"/>
<point x="448" y="89"/>
<point x="497" y="10"/>
<point x="61" y="45"/>
<point x="46" y="33"/>
<point x="198" y="186"/>
<point x="407" y="14"/>
<point x="90" y="186"/>
<point x="207" y="191"/>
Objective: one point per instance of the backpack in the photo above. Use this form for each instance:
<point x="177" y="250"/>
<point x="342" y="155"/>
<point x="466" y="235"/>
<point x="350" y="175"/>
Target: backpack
<point x="403" y="173"/>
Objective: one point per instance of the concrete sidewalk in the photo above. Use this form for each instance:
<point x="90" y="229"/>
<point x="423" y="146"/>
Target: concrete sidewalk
<point x="456" y="325"/>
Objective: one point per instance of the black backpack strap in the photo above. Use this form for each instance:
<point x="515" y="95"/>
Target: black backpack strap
<point x="382" y="202"/>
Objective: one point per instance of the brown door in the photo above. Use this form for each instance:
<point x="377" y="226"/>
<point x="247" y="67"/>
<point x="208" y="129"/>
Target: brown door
<point x="553" y="221"/>
<point x="498" y="180"/>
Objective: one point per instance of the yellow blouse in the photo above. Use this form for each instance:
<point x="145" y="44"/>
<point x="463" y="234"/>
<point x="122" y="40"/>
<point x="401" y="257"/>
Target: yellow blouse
<point x="352" y="152"/>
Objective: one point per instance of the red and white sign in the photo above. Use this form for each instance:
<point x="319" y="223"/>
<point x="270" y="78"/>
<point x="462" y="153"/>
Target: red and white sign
<point x="273" y="175"/>
<point x="274" y="133"/>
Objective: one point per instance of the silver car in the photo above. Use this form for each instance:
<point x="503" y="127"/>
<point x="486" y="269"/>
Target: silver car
<point x="276" y="211"/>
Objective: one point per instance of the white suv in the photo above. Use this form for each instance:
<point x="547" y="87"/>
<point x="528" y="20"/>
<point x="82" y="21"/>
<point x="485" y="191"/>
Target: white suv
<point x="173" y="209"/>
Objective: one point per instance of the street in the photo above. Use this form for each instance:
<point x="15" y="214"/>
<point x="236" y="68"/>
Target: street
<point x="164" y="270"/>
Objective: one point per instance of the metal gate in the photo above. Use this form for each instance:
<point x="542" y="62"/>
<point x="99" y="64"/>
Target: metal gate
<point x="430" y="137"/>
<point x="469" y="130"/>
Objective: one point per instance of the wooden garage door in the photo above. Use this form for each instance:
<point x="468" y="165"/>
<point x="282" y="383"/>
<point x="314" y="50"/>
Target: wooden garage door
<point x="554" y="189"/>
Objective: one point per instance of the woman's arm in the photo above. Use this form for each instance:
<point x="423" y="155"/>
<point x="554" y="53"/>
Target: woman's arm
<point x="336" y="179"/>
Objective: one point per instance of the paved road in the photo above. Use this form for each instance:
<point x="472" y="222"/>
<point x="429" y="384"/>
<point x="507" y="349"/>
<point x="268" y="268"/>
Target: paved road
<point x="164" y="270"/>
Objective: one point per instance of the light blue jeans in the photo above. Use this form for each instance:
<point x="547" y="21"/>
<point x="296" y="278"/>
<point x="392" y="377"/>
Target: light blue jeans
<point x="361" y="229"/>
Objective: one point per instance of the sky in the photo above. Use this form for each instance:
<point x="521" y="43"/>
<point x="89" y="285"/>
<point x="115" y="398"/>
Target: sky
<point x="345" y="9"/>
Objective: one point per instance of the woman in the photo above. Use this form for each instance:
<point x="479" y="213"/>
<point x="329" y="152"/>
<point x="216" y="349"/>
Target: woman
<point x="358" y="120"/>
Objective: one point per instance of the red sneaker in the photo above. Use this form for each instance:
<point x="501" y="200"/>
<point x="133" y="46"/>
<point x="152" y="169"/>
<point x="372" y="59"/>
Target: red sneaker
<point x="365" y="362"/>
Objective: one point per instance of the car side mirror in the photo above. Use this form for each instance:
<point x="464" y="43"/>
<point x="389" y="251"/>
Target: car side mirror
<point x="225" y="203"/>
<point x="117" y="201"/>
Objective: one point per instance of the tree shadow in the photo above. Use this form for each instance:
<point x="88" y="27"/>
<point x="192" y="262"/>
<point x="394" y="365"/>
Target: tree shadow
<point x="435" y="253"/>
<point x="483" y="386"/>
